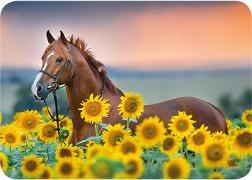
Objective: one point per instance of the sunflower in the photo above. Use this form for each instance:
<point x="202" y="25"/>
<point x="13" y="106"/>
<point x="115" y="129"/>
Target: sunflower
<point x="113" y="135"/>
<point x="3" y="162"/>
<point x="47" y="172"/>
<point x="47" y="132"/>
<point x="247" y="116"/>
<point x="64" y="151"/>
<point x="24" y="138"/>
<point x="94" y="109"/>
<point x="66" y="123"/>
<point x="242" y="142"/>
<point x="150" y="132"/>
<point x="176" y="168"/>
<point x="131" y="105"/>
<point x="220" y="136"/>
<point x="10" y="136"/>
<point x="79" y="153"/>
<point x="170" y="145"/>
<point x="181" y="125"/>
<point x="93" y="150"/>
<point x="134" y="166"/>
<point x="31" y="166"/>
<point x="215" y="154"/>
<point x="129" y="145"/>
<point x="100" y="168"/>
<point x="29" y="120"/>
<point x="66" y="168"/>
<point x="45" y="112"/>
<point x="198" y="139"/>
<point x="216" y="175"/>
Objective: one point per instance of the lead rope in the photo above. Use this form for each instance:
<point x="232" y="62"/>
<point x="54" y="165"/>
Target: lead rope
<point x="57" y="113"/>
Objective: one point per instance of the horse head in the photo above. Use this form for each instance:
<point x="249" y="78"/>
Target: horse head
<point x="56" y="69"/>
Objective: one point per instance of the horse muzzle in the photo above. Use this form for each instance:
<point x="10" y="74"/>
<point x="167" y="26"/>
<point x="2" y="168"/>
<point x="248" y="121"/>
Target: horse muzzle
<point x="40" y="91"/>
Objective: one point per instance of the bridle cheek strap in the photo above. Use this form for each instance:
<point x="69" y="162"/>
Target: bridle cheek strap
<point x="54" y="84"/>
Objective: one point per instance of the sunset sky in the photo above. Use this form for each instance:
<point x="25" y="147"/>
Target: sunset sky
<point x="139" y="35"/>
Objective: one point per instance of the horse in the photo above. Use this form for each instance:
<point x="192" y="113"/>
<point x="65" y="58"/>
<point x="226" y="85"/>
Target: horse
<point x="71" y="63"/>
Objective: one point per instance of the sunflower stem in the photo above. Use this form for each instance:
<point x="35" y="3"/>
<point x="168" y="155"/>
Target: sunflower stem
<point x="127" y="123"/>
<point x="96" y="130"/>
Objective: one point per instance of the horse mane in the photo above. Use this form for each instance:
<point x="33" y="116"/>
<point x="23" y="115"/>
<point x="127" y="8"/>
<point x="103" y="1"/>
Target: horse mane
<point x="96" y="66"/>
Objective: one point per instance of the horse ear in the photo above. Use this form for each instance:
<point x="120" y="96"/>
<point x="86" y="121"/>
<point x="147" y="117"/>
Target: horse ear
<point x="63" y="38"/>
<point x="50" y="38"/>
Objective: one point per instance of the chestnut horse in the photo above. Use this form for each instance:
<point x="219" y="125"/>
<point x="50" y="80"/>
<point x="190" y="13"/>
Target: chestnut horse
<point x="74" y="66"/>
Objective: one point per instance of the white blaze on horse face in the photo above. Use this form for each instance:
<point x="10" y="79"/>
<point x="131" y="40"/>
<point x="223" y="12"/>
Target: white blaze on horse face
<point x="39" y="75"/>
<point x="34" y="85"/>
<point x="45" y="65"/>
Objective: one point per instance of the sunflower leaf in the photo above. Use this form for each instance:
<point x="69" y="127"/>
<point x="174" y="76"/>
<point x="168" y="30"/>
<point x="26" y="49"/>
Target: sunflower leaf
<point x="97" y="139"/>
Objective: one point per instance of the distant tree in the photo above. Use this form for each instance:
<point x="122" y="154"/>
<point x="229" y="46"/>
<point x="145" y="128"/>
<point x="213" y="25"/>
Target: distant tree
<point x="245" y="100"/>
<point x="25" y="99"/>
<point x="234" y="107"/>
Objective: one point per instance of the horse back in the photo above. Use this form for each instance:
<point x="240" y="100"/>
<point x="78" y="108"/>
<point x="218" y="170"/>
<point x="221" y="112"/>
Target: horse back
<point x="202" y="112"/>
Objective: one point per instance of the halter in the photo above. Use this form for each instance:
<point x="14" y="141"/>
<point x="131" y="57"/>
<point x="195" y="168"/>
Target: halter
<point x="54" y="86"/>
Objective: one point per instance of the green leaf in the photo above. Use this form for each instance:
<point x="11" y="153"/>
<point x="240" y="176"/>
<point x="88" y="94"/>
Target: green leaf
<point x="97" y="139"/>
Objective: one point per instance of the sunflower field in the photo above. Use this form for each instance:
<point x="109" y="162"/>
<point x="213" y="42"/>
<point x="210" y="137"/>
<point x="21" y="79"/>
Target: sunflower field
<point x="31" y="148"/>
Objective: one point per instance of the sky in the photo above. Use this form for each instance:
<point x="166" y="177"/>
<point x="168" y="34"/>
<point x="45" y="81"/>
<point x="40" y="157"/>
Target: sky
<point x="133" y="35"/>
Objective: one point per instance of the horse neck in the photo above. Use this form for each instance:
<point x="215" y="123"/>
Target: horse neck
<point x="84" y="83"/>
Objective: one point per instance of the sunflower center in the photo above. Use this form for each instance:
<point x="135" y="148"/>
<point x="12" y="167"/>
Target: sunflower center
<point x="102" y="169"/>
<point x="29" y="123"/>
<point x="249" y="117"/>
<point x="45" y="175"/>
<point x="214" y="152"/>
<point x="23" y="138"/>
<point x="130" y="105"/>
<point x="10" y="138"/>
<point x="245" y="139"/>
<point x="66" y="168"/>
<point x="131" y="167"/>
<point x="150" y="131"/>
<point x="115" y="137"/>
<point x="168" y="143"/>
<point x="199" y="138"/>
<point x="93" y="108"/>
<point x="31" y="165"/>
<point x="182" y="125"/>
<point x="128" y="147"/>
<point x="65" y="153"/>
<point x="232" y="163"/>
<point x="174" y="171"/>
<point x="48" y="131"/>
<point x="62" y="123"/>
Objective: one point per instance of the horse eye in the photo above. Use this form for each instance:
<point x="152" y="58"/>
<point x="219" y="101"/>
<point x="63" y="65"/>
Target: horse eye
<point x="59" y="60"/>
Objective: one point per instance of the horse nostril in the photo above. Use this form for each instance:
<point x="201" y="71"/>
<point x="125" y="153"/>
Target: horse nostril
<point x="39" y="88"/>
